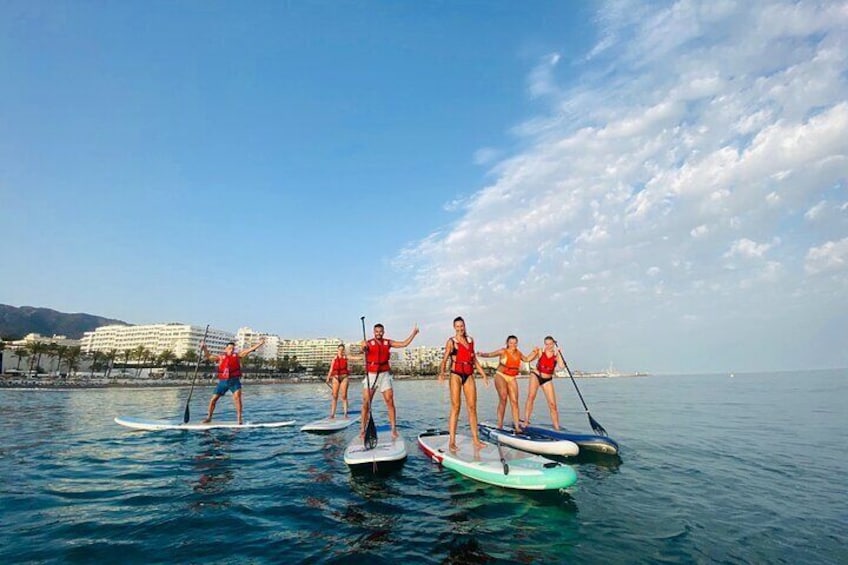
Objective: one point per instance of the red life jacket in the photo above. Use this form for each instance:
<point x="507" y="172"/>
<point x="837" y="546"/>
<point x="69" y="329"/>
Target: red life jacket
<point x="463" y="358"/>
<point x="229" y="367"/>
<point x="377" y="355"/>
<point x="340" y="367"/>
<point x="547" y="365"/>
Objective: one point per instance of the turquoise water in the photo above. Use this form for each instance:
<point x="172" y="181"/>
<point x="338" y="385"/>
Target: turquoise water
<point x="748" y="469"/>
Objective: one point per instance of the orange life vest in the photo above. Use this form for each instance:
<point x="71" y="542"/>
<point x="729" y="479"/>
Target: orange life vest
<point x="229" y="367"/>
<point x="463" y="357"/>
<point x="377" y="355"/>
<point x="510" y="363"/>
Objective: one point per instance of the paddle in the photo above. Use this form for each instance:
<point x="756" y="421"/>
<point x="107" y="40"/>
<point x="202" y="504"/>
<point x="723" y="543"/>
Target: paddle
<point x="370" y="429"/>
<point x="599" y="429"/>
<point x="186" y="414"/>
<point x="500" y="452"/>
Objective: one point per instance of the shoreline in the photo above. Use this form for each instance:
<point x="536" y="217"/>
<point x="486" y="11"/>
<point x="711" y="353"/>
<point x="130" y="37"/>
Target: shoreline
<point x="16" y="382"/>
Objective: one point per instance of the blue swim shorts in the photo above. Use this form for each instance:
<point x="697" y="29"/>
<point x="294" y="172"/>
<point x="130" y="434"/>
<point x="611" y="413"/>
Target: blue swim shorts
<point x="233" y="384"/>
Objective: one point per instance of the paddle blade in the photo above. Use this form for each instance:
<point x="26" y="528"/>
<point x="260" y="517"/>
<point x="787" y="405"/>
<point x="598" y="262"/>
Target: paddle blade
<point x="503" y="459"/>
<point x="186" y="415"/>
<point x="370" y="434"/>
<point x="599" y="429"/>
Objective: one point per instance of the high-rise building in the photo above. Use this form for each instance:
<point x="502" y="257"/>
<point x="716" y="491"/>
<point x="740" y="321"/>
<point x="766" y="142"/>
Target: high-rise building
<point x="246" y="337"/>
<point x="309" y="352"/>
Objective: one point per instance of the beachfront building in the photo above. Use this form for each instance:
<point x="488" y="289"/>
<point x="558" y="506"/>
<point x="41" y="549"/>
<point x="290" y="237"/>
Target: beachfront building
<point x="421" y="358"/>
<point x="310" y="352"/>
<point x="246" y="337"/>
<point x="38" y="338"/>
<point x="156" y="338"/>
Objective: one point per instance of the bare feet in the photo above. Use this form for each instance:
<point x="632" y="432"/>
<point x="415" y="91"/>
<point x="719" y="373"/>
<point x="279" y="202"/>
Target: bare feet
<point x="240" y="422"/>
<point x="206" y="420"/>
<point x="452" y="447"/>
<point x="395" y="435"/>
<point x="479" y="444"/>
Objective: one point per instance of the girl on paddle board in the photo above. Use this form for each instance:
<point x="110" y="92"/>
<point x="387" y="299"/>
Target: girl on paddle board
<point x="229" y="375"/>
<point x="550" y="357"/>
<point x="509" y="366"/>
<point x="460" y="351"/>
<point x="337" y="378"/>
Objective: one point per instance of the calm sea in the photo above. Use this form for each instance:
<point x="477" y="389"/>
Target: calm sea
<point x="750" y="469"/>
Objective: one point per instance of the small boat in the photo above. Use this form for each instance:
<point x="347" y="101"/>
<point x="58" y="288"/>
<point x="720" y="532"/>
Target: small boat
<point x="532" y="444"/>
<point x="588" y="442"/>
<point x="496" y="465"/>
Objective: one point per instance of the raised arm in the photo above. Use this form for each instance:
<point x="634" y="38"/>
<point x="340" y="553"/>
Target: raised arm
<point x="534" y="355"/>
<point x="250" y="350"/>
<point x="408" y="340"/>
<point x="205" y="352"/>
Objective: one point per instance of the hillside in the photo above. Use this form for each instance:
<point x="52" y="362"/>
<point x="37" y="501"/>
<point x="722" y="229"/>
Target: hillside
<point x="17" y="322"/>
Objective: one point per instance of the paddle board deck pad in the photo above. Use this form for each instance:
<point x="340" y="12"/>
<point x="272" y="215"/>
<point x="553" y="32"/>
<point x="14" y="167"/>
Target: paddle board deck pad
<point x="328" y="425"/>
<point x="177" y="424"/>
<point x="388" y="452"/>
<point x="587" y="442"/>
<point x="532" y="444"/>
<point x="524" y="471"/>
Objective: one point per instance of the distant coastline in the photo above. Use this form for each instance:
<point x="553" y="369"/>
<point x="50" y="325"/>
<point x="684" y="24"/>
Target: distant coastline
<point x="54" y="382"/>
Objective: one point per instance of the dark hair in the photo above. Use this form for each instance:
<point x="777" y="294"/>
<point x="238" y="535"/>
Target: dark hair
<point x="379" y="326"/>
<point x="509" y="337"/>
<point x="458" y="319"/>
<point x="550" y="337"/>
<point x="231" y="343"/>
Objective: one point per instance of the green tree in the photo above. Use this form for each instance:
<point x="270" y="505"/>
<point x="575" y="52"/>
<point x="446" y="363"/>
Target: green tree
<point x="72" y="356"/>
<point x="190" y="357"/>
<point x="140" y="354"/>
<point x="111" y="355"/>
<point x="61" y="352"/>
<point x="22" y="354"/>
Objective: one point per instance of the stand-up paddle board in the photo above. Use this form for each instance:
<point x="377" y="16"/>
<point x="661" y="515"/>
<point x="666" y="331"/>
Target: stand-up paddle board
<point x="501" y="466"/>
<point x="532" y="444"/>
<point x="177" y="424"/>
<point x="588" y="442"/>
<point x="330" y="425"/>
<point x="387" y="454"/>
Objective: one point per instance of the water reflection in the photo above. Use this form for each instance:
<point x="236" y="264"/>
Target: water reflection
<point x="214" y="464"/>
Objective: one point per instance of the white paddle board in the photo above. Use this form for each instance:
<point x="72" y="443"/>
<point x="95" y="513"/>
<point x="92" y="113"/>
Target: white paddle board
<point x="177" y="424"/>
<point x="387" y="453"/>
<point x="328" y="425"/>
<point x="518" y="470"/>
<point x="532" y="444"/>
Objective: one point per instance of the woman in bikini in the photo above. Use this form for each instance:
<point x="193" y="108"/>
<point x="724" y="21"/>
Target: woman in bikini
<point x="542" y="376"/>
<point x="510" y="359"/>
<point x="460" y="351"/>
<point x="337" y="378"/>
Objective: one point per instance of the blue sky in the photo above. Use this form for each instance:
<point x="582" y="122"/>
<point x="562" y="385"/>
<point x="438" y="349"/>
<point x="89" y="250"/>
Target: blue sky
<point x="660" y="186"/>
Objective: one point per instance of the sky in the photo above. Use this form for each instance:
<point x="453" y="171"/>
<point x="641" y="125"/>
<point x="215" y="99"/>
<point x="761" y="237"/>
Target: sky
<point x="661" y="186"/>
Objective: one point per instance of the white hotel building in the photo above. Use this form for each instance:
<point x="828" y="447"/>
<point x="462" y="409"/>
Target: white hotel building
<point x="310" y="352"/>
<point x="176" y="337"/>
<point x="246" y="337"/>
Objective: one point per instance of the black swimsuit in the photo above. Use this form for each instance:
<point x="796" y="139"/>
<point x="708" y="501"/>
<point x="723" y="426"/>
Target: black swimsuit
<point x="541" y="379"/>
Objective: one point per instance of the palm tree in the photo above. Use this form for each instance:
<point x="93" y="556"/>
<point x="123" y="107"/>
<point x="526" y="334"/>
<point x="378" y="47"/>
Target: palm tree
<point x="73" y="356"/>
<point x="36" y="350"/>
<point x="110" y="360"/>
<point x="166" y="358"/>
<point x="60" y="352"/>
<point x="95" y="360"/>
<point x="139" y="354"/>
<point x="21" y="353"/>
<point x="189" y="358"/>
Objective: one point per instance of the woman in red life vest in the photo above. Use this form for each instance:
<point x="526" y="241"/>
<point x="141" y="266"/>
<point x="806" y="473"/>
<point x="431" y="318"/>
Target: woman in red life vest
<point x="509" y="366"/>
<point x="542" y="376"/>
<point x="460" y="351"/>
<point x="229" y="375"/>
<point x="337" y="378"/>
<point x="378" y="374"/>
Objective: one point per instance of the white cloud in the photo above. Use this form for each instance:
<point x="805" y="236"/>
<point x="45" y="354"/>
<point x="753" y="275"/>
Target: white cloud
<point x="814" y="212"/>
<point x="729" y="117"/>
<point x="486" y="155"/>
<point x="831" y="256"/>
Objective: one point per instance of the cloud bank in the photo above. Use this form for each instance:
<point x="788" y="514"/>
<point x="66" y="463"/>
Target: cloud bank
<point x="679" y="206"/>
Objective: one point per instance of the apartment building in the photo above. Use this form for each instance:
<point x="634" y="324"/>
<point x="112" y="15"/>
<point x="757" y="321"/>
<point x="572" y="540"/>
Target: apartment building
<point x="176" y="337"/>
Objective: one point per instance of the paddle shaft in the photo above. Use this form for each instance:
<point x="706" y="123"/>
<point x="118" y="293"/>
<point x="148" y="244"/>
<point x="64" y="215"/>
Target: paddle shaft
<point x="187" y="414"/>
<point x="370" y="439"/>
<point x="598" y="428"/>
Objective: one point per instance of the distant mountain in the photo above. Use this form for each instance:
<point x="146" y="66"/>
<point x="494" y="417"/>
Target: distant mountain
<point x="17" y="322"/>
